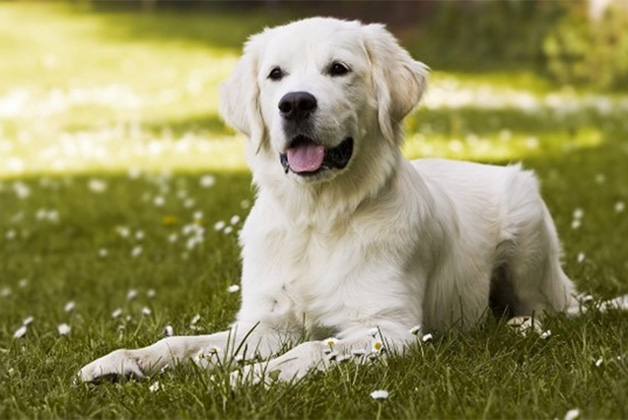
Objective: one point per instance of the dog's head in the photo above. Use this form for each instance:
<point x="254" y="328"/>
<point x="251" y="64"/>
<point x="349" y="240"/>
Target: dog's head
<point x="310" y="94"/>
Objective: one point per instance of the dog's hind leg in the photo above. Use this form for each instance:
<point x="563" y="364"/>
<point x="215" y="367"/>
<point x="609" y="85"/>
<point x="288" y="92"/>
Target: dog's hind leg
<point x="533" y="274"/>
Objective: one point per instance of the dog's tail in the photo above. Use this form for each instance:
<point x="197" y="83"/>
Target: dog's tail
<point x="585" y="303"/>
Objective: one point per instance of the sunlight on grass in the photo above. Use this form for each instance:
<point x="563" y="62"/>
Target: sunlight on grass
<point x="91" y="92"/>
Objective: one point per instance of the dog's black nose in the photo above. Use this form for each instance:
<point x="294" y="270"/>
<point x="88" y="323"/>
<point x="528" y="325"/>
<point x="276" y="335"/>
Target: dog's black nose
<point x="297" y="105"/>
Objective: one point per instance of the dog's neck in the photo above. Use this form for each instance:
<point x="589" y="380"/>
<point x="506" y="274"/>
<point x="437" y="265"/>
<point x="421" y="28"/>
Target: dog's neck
<point x="328" y="204"/>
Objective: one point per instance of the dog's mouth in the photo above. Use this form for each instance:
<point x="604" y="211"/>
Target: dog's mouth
<point x="306" y="157"/>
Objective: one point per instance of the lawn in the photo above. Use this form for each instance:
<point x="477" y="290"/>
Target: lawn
<point x="116" y="171"/>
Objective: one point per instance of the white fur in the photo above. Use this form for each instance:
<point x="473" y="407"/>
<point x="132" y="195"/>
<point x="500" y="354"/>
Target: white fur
<point x="368" y="252"/>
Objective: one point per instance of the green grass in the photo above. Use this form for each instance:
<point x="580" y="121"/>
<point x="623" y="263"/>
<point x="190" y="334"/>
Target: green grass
<point x="580" y="156"/>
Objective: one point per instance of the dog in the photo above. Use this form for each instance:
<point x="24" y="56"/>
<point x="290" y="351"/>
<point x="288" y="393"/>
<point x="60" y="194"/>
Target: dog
<point x="349" y="240"/>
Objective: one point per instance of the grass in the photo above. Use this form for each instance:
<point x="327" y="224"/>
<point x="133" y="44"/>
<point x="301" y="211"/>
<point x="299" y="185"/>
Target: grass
<point x="52" y="238"/>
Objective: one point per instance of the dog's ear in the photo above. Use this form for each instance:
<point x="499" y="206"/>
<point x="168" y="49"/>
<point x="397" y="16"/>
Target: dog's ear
<point x="398" y="79"/>
<point x="239" y="95"/>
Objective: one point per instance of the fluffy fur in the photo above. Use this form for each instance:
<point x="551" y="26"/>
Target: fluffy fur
<point x="368" y="252"/>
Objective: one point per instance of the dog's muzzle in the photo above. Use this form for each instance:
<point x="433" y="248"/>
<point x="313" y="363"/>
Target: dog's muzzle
<point x="306" y="157"/>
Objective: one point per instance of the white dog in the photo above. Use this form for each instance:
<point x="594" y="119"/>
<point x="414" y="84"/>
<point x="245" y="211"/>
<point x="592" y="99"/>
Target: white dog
<point x="347" y="238"/>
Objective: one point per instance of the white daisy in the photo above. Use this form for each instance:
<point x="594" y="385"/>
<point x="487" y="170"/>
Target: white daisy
<point x="546" y="334"/>
<point x="123" y="231"/>
<point x="330" y="342"/>
<point x="28" y="320"/>
<point x="619" y="207"/>
<point x="572" y="414"/>
<point x="117" y="313"/>
<point x="155" y="386"/>
<point x="103" y="252"/>
<point x="151" y="293"/>
<point x="233" y="288"/>
<point x="220" y="225"/>
<point x="377" y="347"/>
<point x="69" y="307"/>
<point x="131" y="294"/>
<point x="427" y="337"/>
<point x="168" y="331"/>
<point x="195" y="319"/>
<point x="581" y="257"/>
<point x="20" y="332"/>
<point x="64" y="329"/>
<point x="207" y="181"/>
<point x="235" y="219"/>
<point x="380" y="394"/>
<point x="146" y="311"/>
<point x="136" y="251"/>
<point x="599" y="362"/>
<point x="159" y="201"/>
<point x="97" y="186"/>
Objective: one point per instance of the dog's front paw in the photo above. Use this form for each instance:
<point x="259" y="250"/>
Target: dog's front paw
<point x="114" y="366"/>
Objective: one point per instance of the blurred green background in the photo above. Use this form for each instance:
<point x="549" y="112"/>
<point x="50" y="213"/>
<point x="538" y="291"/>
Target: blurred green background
<point x="104" y="86"/>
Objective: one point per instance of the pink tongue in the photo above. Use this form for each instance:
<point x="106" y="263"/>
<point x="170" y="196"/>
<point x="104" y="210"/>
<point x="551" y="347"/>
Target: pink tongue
<point x="306" y="157"/>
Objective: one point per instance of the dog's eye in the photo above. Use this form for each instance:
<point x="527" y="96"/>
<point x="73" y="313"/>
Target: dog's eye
<point x="276" y="74"/>
<point x="338" y="69"/>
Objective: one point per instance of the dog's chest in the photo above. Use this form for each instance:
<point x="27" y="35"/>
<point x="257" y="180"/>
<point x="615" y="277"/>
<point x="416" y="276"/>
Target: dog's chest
<point x="309" y="270"/>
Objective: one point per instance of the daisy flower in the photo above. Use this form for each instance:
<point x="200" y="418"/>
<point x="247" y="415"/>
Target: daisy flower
<point x="331" y="342"/>
<point x="572" y="414"/>
<point x="20" y="332"/>
<point x="168" y="331"/>
<point x="136" y="251"/>
<point x="233" y="288"/>
<point x="195" y="319"/>
<point x="377" y="347"/>
<point x="380" y="394"/>
<point x="69" y="307"/>
<point x="207" y="181"/>
<point x="64" y="329"/>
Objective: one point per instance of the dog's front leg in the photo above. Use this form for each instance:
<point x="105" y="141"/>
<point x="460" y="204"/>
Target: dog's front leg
<point x="321" y="355"/>
<point x="207" y="350"/>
